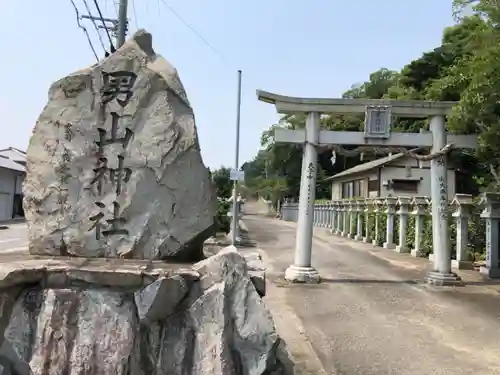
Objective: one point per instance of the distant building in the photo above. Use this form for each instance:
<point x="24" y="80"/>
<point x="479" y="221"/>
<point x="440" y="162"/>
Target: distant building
<point x="12" y="173"/>
<point x="397" y="175"/>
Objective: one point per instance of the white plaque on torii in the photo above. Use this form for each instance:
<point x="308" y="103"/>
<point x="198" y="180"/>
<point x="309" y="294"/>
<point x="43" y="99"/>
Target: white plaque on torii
<point x="378" y="122"/>
<point x="377" y="133"/>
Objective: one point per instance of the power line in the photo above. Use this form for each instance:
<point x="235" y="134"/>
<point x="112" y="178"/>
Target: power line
<point x="95" y="25"/>
<point x="116" y="7"/>
<point x="192" y="29"/>
<point x="84" y="30"/>
<point x="204" y="40"/>
<point x="112" y="47"/>
<point x="135" y="15"/>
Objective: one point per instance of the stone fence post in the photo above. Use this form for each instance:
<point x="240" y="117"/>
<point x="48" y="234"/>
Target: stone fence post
<point x="329" y="212"/>
<point x="360" y="211"/>
<point x="368" y="207"/>
<point x="390" y="211"/>
<point x="352" y="219"/>
<point x="346" y="221"/>
<point x="321" y="214"/>
<point x="285" y="212"/>
<point x="326" y="218"/>
<point x="404" y="207"/>
<point x="340" y="217"/>
<point x="377" y="206"/>
<point x="419" y="211"/>
<point x="491" y="213"/>
<point x="463" y="205"/>
<point x="315" y="214"/>
<point x="322" y="219"/>
<point x="333" y="220"/>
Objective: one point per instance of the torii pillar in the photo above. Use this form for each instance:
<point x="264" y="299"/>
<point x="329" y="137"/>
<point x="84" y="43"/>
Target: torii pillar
<point x="378" y="119"/>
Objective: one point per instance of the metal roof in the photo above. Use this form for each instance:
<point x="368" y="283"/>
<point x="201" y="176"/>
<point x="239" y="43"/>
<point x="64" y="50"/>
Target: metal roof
<point x="11" y="164"/>
<point x="14" y="154"/>
<point x="366" y="166"/>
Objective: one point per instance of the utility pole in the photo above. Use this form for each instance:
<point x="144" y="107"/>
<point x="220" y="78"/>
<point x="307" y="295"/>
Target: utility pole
<point x="118" y="27"/>
<point x="235" y="214"/>
<point x="122" y="23"/>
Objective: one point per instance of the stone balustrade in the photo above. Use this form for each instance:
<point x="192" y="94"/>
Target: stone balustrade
<point x="404" y="224"/>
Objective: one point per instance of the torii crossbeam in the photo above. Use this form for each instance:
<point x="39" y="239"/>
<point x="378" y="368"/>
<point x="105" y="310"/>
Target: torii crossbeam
<point x="378" y="120"/>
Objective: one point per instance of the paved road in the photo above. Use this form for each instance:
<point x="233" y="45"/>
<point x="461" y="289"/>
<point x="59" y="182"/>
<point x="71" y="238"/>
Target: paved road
<point x="372" y="317"/>
<point x="14" y="239"/>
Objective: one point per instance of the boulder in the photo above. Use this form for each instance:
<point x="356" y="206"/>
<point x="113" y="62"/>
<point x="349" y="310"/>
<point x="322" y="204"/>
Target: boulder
<point x="256" y="270"/>
<point x="159" y="299"/>
<point x="114" y="166"/>
<point x="219" y="327"/>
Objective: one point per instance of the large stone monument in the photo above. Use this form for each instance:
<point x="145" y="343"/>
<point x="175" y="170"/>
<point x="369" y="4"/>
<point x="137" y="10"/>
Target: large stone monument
<point x="114" y="164"/>
<point x="116" y="188"/>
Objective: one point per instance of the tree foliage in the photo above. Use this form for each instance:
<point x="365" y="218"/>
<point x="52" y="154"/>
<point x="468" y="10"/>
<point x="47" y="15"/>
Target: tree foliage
<point x="222" y="182"/>
<point x="464" y="68"/>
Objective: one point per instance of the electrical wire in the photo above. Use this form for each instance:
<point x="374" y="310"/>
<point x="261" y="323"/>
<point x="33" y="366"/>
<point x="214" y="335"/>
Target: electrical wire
<point x="112" y="47"/>
<point x="116" y="7"/>
<point x="192" y="29"/>
<point x="135" y="15"/>
<point x="95" y="25"/>
<point x="84" y="30"/>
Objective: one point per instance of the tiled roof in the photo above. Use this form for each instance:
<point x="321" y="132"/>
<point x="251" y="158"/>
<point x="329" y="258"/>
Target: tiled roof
<point x="366" y="166"/>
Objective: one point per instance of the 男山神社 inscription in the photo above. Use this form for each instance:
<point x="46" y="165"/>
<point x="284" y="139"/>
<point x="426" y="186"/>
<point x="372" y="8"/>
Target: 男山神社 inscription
<point x="116" y="85"/>
<point x="114" y="166"/>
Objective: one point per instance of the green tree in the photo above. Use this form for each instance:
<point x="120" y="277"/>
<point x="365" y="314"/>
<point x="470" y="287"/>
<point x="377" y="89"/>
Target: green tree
<point x="222" y="182"/>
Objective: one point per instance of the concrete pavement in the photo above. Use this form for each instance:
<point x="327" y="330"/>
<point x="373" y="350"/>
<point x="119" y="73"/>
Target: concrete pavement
<point x="14" y="239"/>
<point x="373" y="314"/>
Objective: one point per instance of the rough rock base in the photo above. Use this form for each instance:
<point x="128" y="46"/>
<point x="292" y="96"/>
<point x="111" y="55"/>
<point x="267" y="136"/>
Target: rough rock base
<point x="104" y="317"/>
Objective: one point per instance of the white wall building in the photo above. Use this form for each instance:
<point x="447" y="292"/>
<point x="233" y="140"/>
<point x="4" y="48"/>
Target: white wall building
<point x="12" y="172"/>
<point x="397" y="175"/>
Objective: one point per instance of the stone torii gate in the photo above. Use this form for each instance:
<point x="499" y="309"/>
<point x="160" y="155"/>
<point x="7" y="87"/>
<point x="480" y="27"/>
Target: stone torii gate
<point x="378" y="119"/>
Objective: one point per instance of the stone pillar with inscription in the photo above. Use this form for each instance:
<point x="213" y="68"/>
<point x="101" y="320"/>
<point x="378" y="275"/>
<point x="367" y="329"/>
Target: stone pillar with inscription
<point x="491" y="213"/>
<point x="441" y="272"/>
<point x="301" y="270"/>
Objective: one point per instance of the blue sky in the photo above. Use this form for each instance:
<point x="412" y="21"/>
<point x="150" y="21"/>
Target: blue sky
<point x="313" y="48"/>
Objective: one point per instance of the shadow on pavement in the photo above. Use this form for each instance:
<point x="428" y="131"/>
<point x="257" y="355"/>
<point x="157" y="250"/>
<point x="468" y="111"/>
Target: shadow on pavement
<point x="368" y="281"/>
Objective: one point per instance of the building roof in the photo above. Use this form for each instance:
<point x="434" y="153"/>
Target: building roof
<point x="15" y="154"/>
<point x="11" y="164"/>
<point x="13" y="159"/>
<point x="365" y="167"/>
